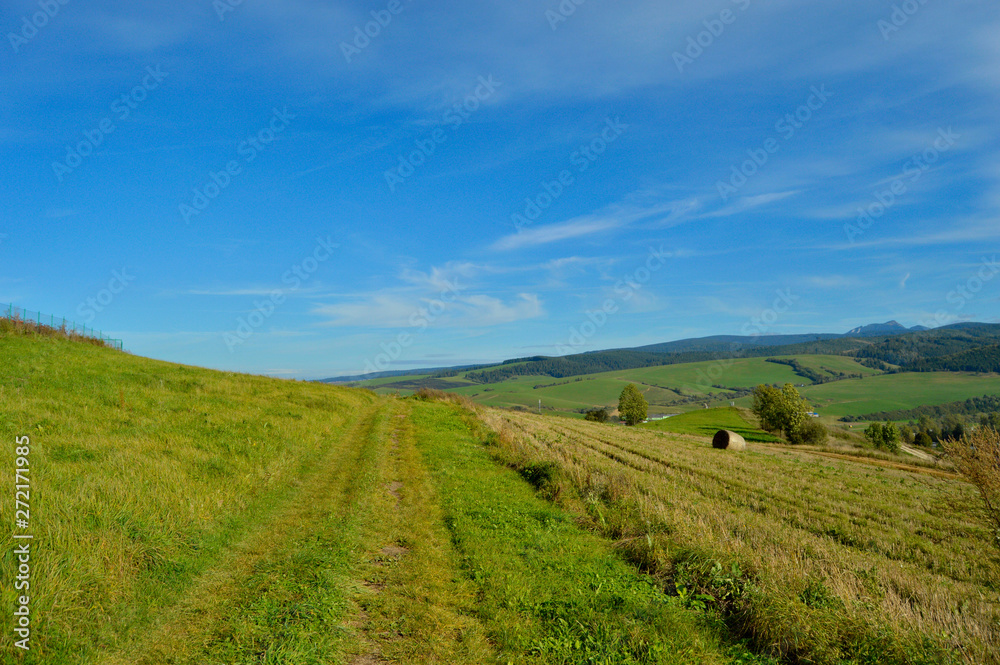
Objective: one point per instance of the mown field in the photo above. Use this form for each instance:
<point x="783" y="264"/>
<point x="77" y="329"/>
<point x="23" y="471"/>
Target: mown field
<point x="187" y="516"/>
<point x="814" y="559"/>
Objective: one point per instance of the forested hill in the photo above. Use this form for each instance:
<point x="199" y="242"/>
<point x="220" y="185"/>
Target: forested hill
<point x="938" y="349"/>
<point x="983" y="359"/>
<point x="960" y="347"/>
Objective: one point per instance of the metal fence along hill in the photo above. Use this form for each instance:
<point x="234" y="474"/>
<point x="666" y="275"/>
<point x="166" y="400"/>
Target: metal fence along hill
<point x="50" y="324"/>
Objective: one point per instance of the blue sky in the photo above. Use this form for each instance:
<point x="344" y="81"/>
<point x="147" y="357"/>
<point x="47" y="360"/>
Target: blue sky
<point x="263" y="187"/>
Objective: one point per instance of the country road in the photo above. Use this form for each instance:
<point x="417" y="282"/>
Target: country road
<point x="910" y="450"/>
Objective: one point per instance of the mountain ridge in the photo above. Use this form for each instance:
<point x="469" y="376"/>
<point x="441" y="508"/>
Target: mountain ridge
<point x="714" y="347"/>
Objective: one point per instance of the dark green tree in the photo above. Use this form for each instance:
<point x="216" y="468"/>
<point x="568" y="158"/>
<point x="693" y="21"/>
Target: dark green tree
<point x="632" y="405"/>
<point x="597" y="415"/>
<point x="883" y="436"/>
<point x="779" y="410"/>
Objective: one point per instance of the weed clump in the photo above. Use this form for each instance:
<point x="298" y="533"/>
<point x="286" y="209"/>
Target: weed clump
<point x="434" y="395"/>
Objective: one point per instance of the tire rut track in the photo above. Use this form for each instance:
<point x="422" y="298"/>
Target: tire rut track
<point x="191" y="619"/>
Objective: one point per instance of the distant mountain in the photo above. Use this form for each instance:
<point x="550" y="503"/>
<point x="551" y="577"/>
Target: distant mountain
<point x="881" y="329"/>
<point x="399" y="372"/>
<point x="901" y="347"/>
<point x="953" y="347"/>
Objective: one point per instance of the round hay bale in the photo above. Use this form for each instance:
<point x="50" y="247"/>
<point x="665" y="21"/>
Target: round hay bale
<point x="726" y="440"/>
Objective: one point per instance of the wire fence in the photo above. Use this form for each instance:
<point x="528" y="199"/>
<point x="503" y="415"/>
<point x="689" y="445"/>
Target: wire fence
<point x="51" y="325"/>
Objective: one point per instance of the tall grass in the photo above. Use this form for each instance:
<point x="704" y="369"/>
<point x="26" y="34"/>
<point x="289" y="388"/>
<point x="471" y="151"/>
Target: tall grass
<point x="143" y="472"/>
<point x="17" y="326"/>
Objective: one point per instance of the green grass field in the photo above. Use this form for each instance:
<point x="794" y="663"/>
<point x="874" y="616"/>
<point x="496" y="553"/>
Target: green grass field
<point x="706" y="422"/>
<point x="898" y="391"/>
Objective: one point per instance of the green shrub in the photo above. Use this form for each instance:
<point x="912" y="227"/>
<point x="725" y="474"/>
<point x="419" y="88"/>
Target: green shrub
<point x="597" y="415"/>
<point x="811" y="432"/>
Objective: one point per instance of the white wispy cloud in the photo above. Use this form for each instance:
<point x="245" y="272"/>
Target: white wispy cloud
<point x="612" y="217"/>
<point x="749" y="203"/>
<point x="443" y="296"/>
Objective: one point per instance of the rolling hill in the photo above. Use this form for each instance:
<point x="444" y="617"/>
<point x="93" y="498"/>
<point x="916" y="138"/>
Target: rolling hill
<point x="835" y="372"/>
<point x="944" y="348"/>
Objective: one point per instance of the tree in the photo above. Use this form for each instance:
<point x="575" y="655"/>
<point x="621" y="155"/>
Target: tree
<point x="977" y="457"/>
<point x="779" y="410"/>
<point x="906" y="434"/>
<point x="632" y="405"/>
<point x="952" y="427"/>
<point x="991" y="420"/>
<point x="766" y="406"/>
<point x="883" y="437"/>
<point x="922" y="439"/>
<point x="597" y="415"/>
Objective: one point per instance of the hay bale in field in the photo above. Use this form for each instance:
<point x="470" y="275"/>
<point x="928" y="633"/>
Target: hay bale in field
<point x="726" y="440"/>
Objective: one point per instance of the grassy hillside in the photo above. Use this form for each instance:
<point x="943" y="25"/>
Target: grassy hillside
<point x="144" y="478"/>
<point x="898" y="391"/>
<point x="187" y="516"/>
